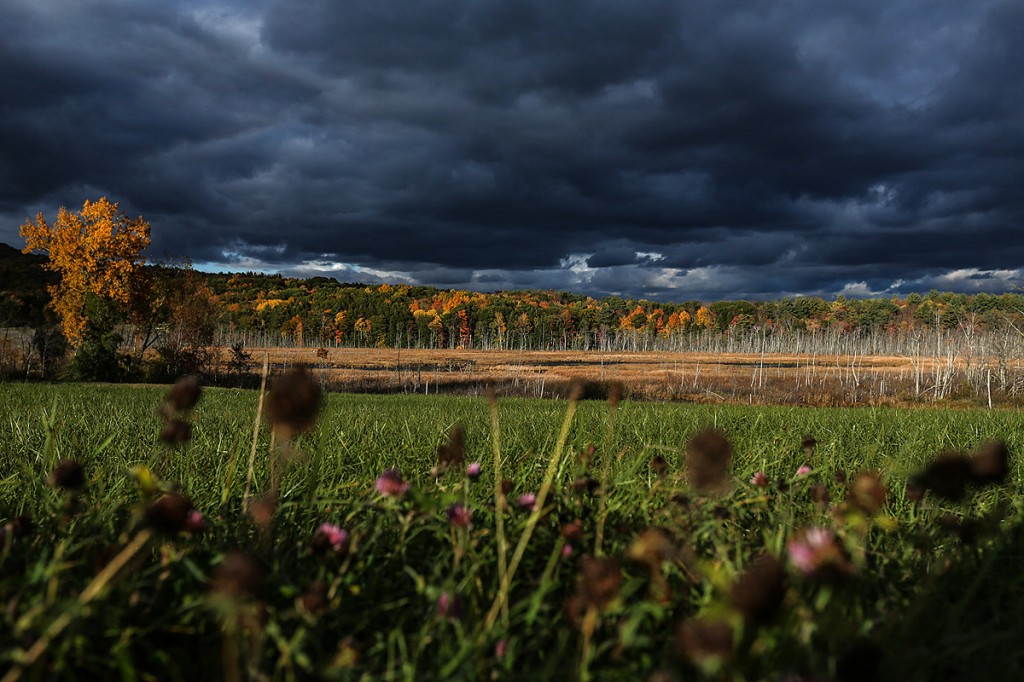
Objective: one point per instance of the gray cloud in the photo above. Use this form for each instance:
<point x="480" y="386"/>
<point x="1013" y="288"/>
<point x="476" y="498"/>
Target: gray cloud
<point x="759" y="149"/>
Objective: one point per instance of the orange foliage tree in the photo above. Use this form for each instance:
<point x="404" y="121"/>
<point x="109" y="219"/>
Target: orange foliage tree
<point x="95" y="251"/>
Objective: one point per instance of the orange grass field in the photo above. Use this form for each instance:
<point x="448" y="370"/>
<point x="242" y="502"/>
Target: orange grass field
<point x="772" y="378"/>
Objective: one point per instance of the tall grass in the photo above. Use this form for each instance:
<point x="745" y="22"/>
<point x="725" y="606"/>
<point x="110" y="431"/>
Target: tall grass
<point x="414" y="596"/>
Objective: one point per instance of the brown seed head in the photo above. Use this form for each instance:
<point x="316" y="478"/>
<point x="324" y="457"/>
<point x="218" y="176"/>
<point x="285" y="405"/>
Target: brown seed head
<point x="819" y="494"/>
<point x="915" y="490"/>
<point x="262" y="510"/>
<point x="659" y="466"/>
<point x="808" y="443"/>
<point x="948" y="475"/>
<point x="707" y="460"/>
<point x="169" y="513"/>
<point x="758" y="593"/>
<point x="651" y="547"/>
<point x="184" y="394"/>
<point x="990" y="463"/>
<point x="314" y="599"/>
<point x="453" y="453"/>
<point x="573" y="530"/>
<point x="67" y="475"/>
<point x="600" y="580"/>
<point x="701" y="640"/>
<point x="615" y="392"/>
<point x="867" y="493"/>
<point x="294" y="402"/>
<point x="237" y="576"/>
<point x="175" y="432"/>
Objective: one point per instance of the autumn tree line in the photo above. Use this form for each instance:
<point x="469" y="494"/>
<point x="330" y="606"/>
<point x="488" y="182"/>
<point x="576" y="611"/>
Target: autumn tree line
<point x="108" y="313"/>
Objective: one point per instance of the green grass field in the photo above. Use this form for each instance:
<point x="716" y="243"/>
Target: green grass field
<point x="928" y="590"/>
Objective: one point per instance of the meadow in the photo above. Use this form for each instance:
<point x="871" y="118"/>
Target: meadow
<point x="625" y="540"/>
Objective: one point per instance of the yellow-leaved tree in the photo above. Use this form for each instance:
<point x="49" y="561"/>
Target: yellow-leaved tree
<point x="97" y="250"/>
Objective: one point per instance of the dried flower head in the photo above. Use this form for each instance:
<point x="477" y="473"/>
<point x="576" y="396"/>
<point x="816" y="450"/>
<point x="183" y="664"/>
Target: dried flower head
<point x="948" y="475"/>
<point x="759" y="479"/>
<point x="651" y="547"/>
<point x="452" y="453"/>
<point x="459" y="515"/>
<point x="819" y="494"/>
<point x="169" y="513"/>
<point x="314" y="599"/>
<point x="758" y="593"/>
<point x="840" y="476"/>
<point x="615" y="392"/>
<point x="600" y="580"/>
<point x="262" y="510"/>
<point x="293" y="403"/>
<point x="184" y="394"/>
<point x="21" y="526"/>
<point x="67" y="475"/>
<point x="585" y="484"/>
<point x="573" y="530"/>
<point x="175" y="432"/>
<point x="867" y="493"/>
<point x="808" y="443"/>
<point x="707" y="461"/>
<point x="990" y="463"/>
<point x="391" y="484"/>
<point x="237" y="576"/>
<point x="915" y="490"/>
<point x="703" y="640"/>
<point x="659" y="466"/>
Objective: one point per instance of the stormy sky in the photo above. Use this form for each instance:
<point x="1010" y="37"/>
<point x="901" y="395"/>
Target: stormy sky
<point x="672" y="150"/>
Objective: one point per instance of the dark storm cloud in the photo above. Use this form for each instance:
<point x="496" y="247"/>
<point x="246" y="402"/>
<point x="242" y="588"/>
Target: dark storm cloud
<point x="664" y="149"/>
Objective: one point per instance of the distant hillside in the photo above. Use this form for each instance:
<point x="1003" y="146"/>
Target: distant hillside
<point x="273" y="309"/>
<point x="23" y="283"/>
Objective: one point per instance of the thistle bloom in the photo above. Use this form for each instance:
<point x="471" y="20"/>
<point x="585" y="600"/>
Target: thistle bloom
<point x="195" y="522"/>
<point x="803" y="470"/>
<point x="336" y="537"/>
<point x="526" y="501"/>
<point x="760" y="479"/>
<point x="449" y="606"/>
<point x="460" y="515"/>
<point x="473" y="471"/>
<point x="391" y="484"/>
<point x="817" y="553"/>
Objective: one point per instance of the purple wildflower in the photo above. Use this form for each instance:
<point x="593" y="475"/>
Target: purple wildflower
<point x="195" y="522"/>
<point x="526" y="501"/>
<point x="391" y="484"/>
<point x="817" y="553"/>
<point x="473" y="471"/>
<point x="449" y="606"/>
<point x="460" y="515"/>
<point x="760" y="479"/>
<point x="803" y="470"/>
<point x="336" y="537"/>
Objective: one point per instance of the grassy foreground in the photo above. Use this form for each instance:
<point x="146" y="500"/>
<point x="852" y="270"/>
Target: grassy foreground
<point x="639" y="564"/>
